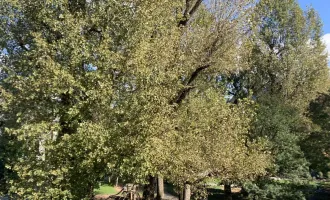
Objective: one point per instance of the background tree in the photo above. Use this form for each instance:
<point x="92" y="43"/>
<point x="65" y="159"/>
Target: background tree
<point x="287" y="70"/>
<point x="288" y="64"/>
<point x="316" y="144"/>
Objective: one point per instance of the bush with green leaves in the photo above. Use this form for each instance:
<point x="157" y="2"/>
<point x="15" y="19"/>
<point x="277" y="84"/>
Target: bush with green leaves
<point x="278" y="189"/>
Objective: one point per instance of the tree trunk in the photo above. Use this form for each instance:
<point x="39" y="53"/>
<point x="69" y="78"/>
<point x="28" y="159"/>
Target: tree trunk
<point x="160" y="188"/>
<point x="134" y="194"/>
<point x="228" y="195"/>
<point x="117" y="181"/>
<point x="187" y="192"/>
<point x="90" y="191"/>
<point x="149" y="189"/>
<point x="110" y="178"/>
<point x="181" y="192"/>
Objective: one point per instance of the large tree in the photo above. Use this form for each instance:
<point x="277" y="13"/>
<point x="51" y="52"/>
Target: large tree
<point x="316" y="145"/>
<point x="287" y="58"/>
<point x="96" y="86"/>
<point x="288" y="69"/>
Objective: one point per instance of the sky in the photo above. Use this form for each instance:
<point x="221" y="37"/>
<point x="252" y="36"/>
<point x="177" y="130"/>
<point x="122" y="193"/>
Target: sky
<point x="323" y="8"/>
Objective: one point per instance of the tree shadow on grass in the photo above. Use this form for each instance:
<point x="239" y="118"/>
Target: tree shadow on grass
<point x="218" y="194"/>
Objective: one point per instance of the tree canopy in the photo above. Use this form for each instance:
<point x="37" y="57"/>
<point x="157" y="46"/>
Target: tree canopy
<point x="178" y="89"/>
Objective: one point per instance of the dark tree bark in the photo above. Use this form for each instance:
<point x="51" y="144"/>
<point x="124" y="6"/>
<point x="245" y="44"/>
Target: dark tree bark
<point x="228" y="194"/>
<point x="189" y="11"/>
<point x="149" y="189"/>
<point x="184" y="92"/>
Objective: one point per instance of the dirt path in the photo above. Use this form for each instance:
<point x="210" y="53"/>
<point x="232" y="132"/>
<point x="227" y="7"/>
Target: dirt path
<point x="170" y="197"/>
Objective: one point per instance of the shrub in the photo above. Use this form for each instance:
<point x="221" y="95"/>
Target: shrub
<point x="320" y="175"/>
<point x="328" y="174"/>
<point x="271" y="189"/>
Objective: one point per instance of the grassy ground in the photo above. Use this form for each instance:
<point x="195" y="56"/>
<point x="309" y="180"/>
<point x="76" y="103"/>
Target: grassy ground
<point x="106" y="189"/>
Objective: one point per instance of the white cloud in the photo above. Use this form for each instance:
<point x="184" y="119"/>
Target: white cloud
<point x="326" y="40"/>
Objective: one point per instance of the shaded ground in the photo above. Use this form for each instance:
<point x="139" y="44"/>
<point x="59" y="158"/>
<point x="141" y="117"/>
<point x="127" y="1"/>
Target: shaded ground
<point x="321" y="194"/>
<point x="170" y="194"/>
<point x="4" y="198"/>
<point x="108" y="192"/>
<point x="215" y="192"/>
<point x="323" y="191"/>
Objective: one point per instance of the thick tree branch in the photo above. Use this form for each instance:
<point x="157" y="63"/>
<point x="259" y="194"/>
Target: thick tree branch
<point x="211" y="50"/>
<point x="189" y="12"/>
<point x="187" y="8"/>
<point x="22" y="45"/>
<point x="95" y="29"/>
<point x="57" y="35"/>
<point x="195" y="73"/>
<point x="184" y="92"/>
<point x="195" y="7"/>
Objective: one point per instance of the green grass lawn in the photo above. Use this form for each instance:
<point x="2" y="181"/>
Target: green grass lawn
<point x="106" y="189"/>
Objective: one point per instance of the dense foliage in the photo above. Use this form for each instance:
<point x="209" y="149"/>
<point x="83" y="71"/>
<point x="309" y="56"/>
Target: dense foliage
<point x="182" y="90"/>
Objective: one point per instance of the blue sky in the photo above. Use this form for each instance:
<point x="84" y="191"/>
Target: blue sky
<point x="323" y="8"/>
